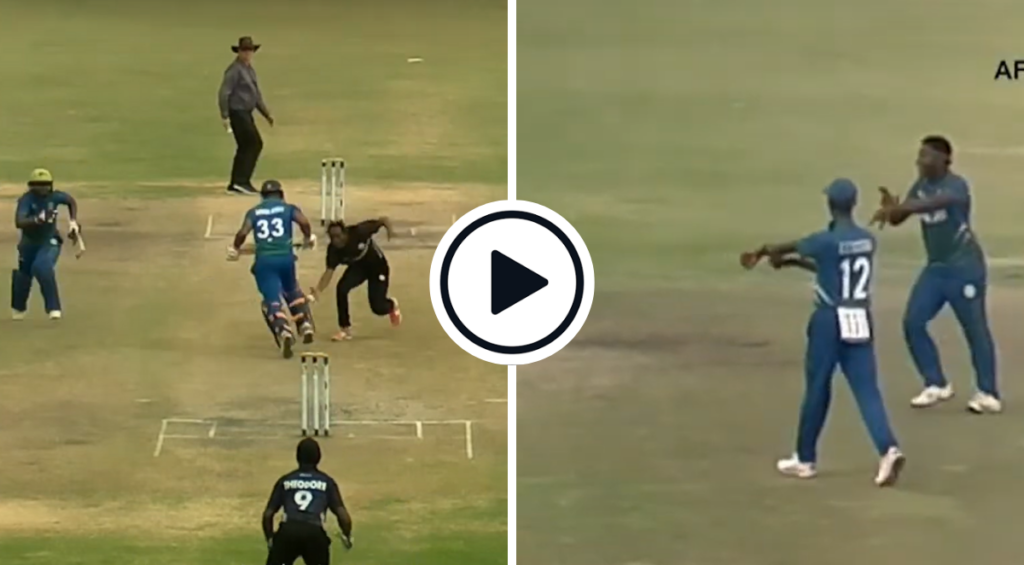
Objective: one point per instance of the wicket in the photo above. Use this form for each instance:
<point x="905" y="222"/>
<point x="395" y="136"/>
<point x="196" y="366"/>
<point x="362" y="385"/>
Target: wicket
<point x="316" y="380"/>
<point x="332" y="189"/>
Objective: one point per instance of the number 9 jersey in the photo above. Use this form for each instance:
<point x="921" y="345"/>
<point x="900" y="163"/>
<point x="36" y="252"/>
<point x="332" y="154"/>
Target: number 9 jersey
<point x="305" y="496"/>
<point x="271" y="221"/>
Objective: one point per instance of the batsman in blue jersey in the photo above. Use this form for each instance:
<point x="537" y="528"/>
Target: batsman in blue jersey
<point x="955" y="274"/>
<point x="270" y="222"/>
<point x="39" y="248"/>
<point x="838" y="333"/>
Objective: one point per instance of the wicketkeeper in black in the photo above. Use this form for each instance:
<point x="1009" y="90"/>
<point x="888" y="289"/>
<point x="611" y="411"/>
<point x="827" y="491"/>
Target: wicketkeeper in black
<point x="305" y="495"/>
<point x="354" y="247"/>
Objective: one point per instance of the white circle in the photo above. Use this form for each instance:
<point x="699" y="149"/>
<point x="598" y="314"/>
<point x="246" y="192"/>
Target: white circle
<point x="970" y="292"/>
<point x="536" y="248"/>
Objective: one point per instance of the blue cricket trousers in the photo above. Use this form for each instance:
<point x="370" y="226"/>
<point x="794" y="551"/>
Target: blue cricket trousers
<point x="825" y="350"/>
<point x="275" y="275"/>
<point x="38" y="262"/>
<point x="966" y="293"/>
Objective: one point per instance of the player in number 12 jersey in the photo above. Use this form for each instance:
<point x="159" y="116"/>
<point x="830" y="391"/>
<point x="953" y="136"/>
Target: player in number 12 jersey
<point x="838" y="333"/>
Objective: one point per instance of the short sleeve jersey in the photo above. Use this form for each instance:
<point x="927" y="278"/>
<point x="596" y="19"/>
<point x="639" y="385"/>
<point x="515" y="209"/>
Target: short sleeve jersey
<point x="845" y="258"/>
<point x="360" y="247"/>
<point x="271" y="222"/>
<point x="305" y="496"/>
<point x="32" y="205"/>
<point x="947" y="234"/>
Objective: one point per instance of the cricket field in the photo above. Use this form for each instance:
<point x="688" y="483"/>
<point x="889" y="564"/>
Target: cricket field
<point x="149" y="425"/>
<point x="676" y="134"/>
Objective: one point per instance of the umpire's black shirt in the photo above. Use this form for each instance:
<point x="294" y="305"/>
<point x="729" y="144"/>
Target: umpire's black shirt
<point x="360" y="248"/>
<point x="305" y="494"/>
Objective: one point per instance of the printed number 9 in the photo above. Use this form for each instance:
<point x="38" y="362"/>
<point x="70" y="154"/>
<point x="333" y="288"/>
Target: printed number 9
<point x="271" y="228"/>
<point x="859" y="269"/>
<point x="303" y="498"/>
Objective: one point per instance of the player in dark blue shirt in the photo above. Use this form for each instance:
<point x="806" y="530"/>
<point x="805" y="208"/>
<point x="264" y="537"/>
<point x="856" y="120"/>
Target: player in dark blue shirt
<point x="270" y="222"/>
<point x="305" y="495"/>
<point x="839" y="331"/>
<point x="955" y="274"/>
<point x="39" y="248"/>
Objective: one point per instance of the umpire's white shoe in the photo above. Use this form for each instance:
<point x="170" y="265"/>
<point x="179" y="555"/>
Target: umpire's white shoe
<point x="931" y="396"/>
<point x="792" y="467"/>
<point x="18" y="315"/>
<point x="983" y="403"/>
<point x="55" y="314"/>
<point x="889" y="467"/>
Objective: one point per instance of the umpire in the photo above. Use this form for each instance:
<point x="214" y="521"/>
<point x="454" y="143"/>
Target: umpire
<point x="239" y="96"/>
<point x="305" y="494"/>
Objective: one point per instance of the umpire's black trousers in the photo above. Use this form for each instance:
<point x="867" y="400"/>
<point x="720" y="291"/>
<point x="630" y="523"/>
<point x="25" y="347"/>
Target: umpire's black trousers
<point x="250" y="144"/>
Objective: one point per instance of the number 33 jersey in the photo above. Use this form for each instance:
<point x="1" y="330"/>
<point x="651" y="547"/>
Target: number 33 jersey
<point x="305" y="496"/>
<point x="271" y="223"/>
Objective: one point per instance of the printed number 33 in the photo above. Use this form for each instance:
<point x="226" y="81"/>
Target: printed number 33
<point x="269" y="228"/>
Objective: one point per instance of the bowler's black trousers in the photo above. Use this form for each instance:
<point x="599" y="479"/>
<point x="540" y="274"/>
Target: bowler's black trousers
<point x="376" y="275"/>
<point x="250" y="144"/>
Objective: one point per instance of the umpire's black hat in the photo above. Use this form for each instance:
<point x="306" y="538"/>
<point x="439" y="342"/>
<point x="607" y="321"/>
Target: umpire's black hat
<point x="246" y="44"/>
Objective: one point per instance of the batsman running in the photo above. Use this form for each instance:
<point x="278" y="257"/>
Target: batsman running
<point x="270" y="222"/>
<point x="955" y="274"/>
<point x="838" y="333"/>
<point x="40" y="244"/>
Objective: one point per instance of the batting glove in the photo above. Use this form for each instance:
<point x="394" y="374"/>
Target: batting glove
<point x="310" y="243"/>
<point x="347" y="541"/>
<point x="73" y="227"/>
<point x="232" y="254"/>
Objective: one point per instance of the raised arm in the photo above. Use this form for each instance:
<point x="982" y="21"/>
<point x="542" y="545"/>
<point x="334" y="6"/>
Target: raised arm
<point x="371" y="227"/>
<point x="22" y="218"/>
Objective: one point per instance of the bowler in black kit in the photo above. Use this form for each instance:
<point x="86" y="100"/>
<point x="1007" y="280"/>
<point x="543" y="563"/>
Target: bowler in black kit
<point x="354" y="247"/>
<point x="305" y="495"/>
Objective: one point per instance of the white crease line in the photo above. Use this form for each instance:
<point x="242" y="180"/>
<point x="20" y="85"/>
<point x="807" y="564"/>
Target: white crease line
<point x="160" y="438"/>
<point x="469" y="439"/>
<point x="496" y="400"/>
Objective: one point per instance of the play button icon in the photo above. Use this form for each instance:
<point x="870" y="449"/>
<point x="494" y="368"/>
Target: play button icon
<point x="511" y="282"/>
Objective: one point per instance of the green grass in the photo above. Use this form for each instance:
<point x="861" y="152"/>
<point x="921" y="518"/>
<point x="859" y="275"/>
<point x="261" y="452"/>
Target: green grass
<point x="104" y="91"/>
<point x="677" y="134"/>
<point x="118" y="100"/>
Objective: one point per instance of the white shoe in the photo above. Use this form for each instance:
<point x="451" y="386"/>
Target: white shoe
<point x="55" y="315"/>
<point x="889" y="467"/>
<point x="931" y="396"/>
<point x="981" y="403"/>
<point x="792" y="467"/>
<point x="18" y="315"/>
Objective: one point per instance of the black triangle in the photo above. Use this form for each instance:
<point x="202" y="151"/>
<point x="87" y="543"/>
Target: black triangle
<point x="511" y="282"/>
